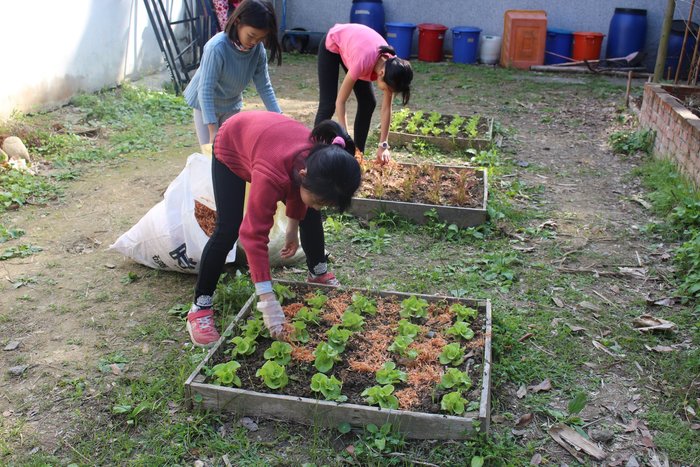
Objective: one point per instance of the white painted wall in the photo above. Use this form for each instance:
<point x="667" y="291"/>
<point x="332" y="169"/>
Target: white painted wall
<point x="53" y="49"/>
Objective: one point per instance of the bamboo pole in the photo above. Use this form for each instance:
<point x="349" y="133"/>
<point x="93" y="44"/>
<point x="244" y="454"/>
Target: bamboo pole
<point x="688" y="27"/>
<point x="663" y="41"/>
<point x="695" y="61"/>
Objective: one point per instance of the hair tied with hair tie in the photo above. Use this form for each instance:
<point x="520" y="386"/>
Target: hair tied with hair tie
<point x="339" y="141"/>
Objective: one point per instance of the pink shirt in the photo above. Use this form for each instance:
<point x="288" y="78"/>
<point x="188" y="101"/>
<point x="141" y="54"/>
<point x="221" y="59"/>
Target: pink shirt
<point x="358" y="47"/>
<point x="261" y="148"/>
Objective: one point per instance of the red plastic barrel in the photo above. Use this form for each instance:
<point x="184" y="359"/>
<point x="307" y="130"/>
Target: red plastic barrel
<point x="430" y="41"/>
<point x="587" y="45"/>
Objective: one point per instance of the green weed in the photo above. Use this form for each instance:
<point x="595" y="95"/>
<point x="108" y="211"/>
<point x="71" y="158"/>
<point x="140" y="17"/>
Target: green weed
<point x="626" y="142"/>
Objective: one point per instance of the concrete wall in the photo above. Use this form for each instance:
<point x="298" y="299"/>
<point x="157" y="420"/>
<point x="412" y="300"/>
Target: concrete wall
<point x="53" y="49"/>
<point x="575" y="15"/>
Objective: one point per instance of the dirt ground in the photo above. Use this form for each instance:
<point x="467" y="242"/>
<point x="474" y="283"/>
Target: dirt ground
<point x="76" y="310"/>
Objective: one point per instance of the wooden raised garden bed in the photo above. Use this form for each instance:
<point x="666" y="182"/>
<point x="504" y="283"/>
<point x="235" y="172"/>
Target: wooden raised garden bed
<point x="447" y="132"/>
<point x="431" y="383"/>
<point x="457" y="194"/>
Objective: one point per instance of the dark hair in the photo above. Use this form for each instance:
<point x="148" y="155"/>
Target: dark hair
<point x="398" y="73"/>
<point x="259" y="14"/>
<point x="332" y="172"/>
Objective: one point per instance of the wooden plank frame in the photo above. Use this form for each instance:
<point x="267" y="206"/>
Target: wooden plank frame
<point x="446" y="143"/>
<point x="368" y="208"/>
<point x="306" y="411"/>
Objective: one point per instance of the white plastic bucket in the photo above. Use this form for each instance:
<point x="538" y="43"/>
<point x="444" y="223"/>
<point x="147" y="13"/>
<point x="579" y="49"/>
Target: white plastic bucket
<point x="489" y="49"/>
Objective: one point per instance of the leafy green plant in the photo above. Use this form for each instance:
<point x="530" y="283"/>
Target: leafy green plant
<point x="383" y="396"/>
<point x="626" y="142"/>
<point x="317" y="300"/>
<point x="329" y="387"/>
<point x="225" y="374"/>
<point x="130" y="278"/>
<point x="283" y="292"/>
<point x="400" y="347"/>
<point x="462" y="312"/>
<point x="454" y="378"/>
<point x="389" y="374"/>
<point x="414" y="307"/>
<point x="408" y="329"/>
<point x="471" y="128"/>
<point x="300" y="334"/>
<point x="308" y="315"/>
<point x="455" y="125"/>
<point x="273" y="375"/>
<point x="452" y="354"/>
<point x="338" y="337"/>
<point x="574" y="407"/>
<point x="453" y="402"/>
<point x="397" y="119"/>
<point x="375" y="239"/>
<point x="21" y="251"/>
<point x="9" y="234"/>
<point x="687" y="261"/>
<point x="326" y="356"/>
<point x="242" y="345"/>
<point x="361" y="304"/>
<point x="279" y="352"/>
<point x="461" y="329"/>
<point x="381" y="439"/>
<point x="352" y="321"/>
<point x="253" y="328"/>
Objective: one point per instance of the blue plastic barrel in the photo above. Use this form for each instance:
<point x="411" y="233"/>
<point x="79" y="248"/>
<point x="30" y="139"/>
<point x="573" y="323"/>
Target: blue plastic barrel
<point x="673" y="49"/>
<point x="465" y="44"/>
<point x="368" y="12"/>
<point x="400" y="37"/>
<point x="627" y="33"/>
<point x="558" y="46"/>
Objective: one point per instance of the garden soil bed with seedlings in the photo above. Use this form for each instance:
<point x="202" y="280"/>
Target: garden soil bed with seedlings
<point x="457" y="194"/>
<point x="355" y="357"/>
<point x="447" y="132"/>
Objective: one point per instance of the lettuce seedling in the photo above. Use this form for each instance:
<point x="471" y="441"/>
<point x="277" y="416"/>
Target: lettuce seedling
<point x="308" y="315"/>
<point x="329" y="387"/>
<point x="453" y="403"/>
<point x="243" y="345"/>
<point x="461" y="329"/>
<point x="338" y="337"/>
<point x="361" y="304"/>
<point x="326" y="356"/>
<point x="317" y="300"/>
<point x="382" y="396"/>
<point x="279" y="352"/>
<point x="414" y="307"/>
<point x="400" y="347"/>
<point x="388" y="374"/>
<point x="408" y="329"/>
<point x="225" y="374"/>
<point x="463" y="313"/>
<point x="283" y="292"/>
<point x="273" y="374"/>
<point x="452" y="354"/>
<point x="453" y="378"/>
<point x="352" y="321"/>
<point x="300" y="334"/>
<point x="255" y="327"/>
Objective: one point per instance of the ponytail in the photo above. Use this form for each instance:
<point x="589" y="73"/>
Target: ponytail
<point x="326" y="131"/>
<point x="398" y="73"/>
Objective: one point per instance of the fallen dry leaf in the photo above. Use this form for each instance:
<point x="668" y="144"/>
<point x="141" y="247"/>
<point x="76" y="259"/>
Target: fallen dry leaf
<point x="573" y="442"/>
<point x="632" y="407"/>
<point x="645" y="323"/>
<point x="545" y="385"/>
<point x="600" y="346"/>
<point x="589" y="306"/>
<point x="635" y="272"/>
<point x="536" y="459"/>
<point x="648" y="442"/>
<point x="659" y="348"/>
<point x="575" y="328"/>
<point x="524" y="420"/>
<point x="632" y="426"/>
<point x="526" y="337"/>
<point x="522" y="391"/>
<point x="558" y="302"/>
<point x="695" y="426"/>
<point x="690" y="411"/>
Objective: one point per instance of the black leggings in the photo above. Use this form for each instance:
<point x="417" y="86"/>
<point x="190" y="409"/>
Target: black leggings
<point x="329" y="64"/>
<point x="229" y="195"/>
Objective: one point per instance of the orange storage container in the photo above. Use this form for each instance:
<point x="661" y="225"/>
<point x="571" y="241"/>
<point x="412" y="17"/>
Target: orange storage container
<point x="587" y="45"/>
<point x="524" y="38"/>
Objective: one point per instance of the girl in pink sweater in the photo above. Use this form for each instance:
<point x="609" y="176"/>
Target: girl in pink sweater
<point x="366" y="57"/>
<point x="283" y="161"/>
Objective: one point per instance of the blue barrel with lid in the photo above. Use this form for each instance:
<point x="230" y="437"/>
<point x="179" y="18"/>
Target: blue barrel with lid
<point x="370" y="13"/>
<point x="465" y="44"/>
<point x="627" y="33"/>
<point x="675" y="45"/>
<point x="558" y="46"/>
<point x="400" y="37"/>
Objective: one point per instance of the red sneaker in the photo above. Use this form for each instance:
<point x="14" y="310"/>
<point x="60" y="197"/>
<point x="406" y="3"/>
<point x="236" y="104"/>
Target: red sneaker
<point x="200" y="325"/>
<point x="327" y="279"/>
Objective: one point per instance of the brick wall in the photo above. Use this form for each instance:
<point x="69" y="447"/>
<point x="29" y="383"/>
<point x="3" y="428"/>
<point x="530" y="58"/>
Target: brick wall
<point x="677" y="128"/>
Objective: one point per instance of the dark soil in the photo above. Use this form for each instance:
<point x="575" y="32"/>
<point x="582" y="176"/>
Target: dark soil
<point x="367" y="350"/>
<point x="427" y="183"/>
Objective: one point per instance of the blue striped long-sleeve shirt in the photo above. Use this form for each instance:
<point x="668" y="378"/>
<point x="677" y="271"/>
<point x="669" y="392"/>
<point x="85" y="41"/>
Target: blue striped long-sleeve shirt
<point x="223" y="74"/>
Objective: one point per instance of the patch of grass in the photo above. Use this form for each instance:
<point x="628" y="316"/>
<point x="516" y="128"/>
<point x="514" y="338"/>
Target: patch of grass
<point x="631" y="142"/>
<point x="675" y="437"/>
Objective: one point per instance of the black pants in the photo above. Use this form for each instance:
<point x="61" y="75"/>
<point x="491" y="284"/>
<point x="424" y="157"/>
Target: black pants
<point x="329" y="64"/>
<point x="229" y="195"/>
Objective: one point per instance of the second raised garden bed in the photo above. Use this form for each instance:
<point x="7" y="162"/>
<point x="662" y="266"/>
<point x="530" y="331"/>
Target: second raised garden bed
<point x="457" y="194"/>
<point x="447" y="132"/>
<point x="419" y="362"/>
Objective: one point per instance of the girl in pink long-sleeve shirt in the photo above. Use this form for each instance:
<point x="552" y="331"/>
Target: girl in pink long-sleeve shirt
<point x="366" y="57"/>
<point x="283" y="161"/>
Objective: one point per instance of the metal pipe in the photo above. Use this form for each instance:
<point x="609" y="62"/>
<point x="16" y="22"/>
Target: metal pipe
<point x="663" y="41"/>
<point x="688" y="27"/>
